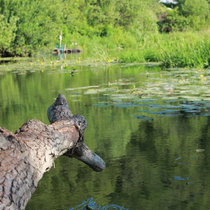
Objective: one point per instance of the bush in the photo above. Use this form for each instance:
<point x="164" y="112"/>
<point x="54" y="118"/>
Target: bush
<point x="7" y="34"/>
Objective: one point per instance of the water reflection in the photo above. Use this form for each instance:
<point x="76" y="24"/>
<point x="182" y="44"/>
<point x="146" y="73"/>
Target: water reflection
<point x="155" y="142"/>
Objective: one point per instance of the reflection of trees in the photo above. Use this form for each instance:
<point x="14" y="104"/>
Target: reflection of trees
<point x="144" y="177"/>
<point x="147" y="178"/>
<point x="140" y="158"/>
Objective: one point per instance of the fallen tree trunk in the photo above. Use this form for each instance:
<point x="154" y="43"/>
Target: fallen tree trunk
<point x="26" y="155"/>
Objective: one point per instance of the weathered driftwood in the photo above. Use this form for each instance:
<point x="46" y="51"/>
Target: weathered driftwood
<point x="26" y="155"/>
<point x="60" y="111"/>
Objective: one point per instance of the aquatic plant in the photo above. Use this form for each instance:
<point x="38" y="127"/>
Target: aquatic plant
<point x="91" y="204"/>
<point x="172" y="50"/>
<point x="181" y="50"/>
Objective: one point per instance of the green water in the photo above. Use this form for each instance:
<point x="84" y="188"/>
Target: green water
<point x="151" y="126"/>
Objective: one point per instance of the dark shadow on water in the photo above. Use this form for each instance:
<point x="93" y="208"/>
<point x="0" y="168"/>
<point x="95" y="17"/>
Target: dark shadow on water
<point x="7" y="61"/>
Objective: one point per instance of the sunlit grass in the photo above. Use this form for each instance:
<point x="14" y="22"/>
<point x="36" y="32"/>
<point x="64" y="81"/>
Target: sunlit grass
<point x="172" y="50"/>
<point x="180" y="49"/>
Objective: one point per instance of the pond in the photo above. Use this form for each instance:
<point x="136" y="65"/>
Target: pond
<point x="151" y="126"/>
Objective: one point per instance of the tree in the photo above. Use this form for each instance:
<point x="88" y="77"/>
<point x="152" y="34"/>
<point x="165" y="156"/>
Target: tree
<point x="7" y="34"/>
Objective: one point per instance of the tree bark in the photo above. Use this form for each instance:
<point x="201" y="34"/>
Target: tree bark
<point x="26" y="155"/>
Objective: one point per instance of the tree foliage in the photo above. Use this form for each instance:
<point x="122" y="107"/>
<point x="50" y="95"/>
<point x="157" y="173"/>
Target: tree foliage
<point x="188" y="15"/>
<point x="26" y="26"/>
<point x="7" y="33"/>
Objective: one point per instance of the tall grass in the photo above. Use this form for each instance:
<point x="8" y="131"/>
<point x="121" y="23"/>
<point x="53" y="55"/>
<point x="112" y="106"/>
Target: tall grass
<point x="179" y="49"/>
<point x="186" y="50"/>
<point x="172" y="50"/>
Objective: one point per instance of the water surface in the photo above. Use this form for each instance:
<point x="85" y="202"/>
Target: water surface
<point x="151" y="126"/>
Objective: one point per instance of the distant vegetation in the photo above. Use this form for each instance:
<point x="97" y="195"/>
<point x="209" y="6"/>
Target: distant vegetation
<point x="120" y="30"/>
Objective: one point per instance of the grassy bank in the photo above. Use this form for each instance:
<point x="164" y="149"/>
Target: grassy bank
<point x="173" y="50"/>
<point x="121" y="30"/>
<point x="178" y="49"/>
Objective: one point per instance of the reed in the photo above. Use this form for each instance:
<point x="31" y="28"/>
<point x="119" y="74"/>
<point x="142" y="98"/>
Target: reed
<point x="178" y="49"/>
<point x="190" y="49"/>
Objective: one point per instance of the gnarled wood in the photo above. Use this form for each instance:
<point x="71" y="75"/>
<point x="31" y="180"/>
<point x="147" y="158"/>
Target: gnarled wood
<point x="26" y="155"/>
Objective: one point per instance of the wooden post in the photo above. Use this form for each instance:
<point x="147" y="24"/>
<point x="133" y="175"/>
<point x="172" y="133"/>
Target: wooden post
<point x="60" y="38"/>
